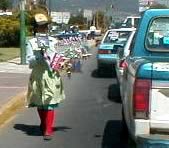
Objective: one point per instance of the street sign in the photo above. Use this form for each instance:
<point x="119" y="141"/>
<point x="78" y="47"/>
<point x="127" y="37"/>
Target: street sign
<point x="88" y="14"/>
<point x="60" y="17"/>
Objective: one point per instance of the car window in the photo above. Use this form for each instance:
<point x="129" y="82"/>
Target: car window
<point x="129" y="22"/>
<point x="157" y="38"/>
<point x="117" y="37"/>
<point x="136" y="22"/>
<point x="132" y="43"/>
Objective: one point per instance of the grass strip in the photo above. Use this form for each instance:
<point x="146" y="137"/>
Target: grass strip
<point x="9" y="53"/>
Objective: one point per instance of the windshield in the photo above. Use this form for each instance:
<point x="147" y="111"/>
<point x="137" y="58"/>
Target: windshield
<point x="157" y="38"/>
<point x="117" y="37"/>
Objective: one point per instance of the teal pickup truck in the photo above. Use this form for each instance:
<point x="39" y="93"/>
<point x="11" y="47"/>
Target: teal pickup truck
<point x="145" y="83"/>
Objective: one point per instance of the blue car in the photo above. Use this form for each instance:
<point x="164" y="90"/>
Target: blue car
<point x="107" y="50"/>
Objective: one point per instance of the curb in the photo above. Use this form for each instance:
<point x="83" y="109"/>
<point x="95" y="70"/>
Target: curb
<point x="11" y="107"/>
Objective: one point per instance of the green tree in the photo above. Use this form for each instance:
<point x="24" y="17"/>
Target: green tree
<point x="78" y="20"/>
<point x="5" y="4"/>
<point x="42" y="2"/>
<point x="101" y="20"/>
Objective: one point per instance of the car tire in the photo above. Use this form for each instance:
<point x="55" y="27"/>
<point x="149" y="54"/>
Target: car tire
<point x="99" y="71"/>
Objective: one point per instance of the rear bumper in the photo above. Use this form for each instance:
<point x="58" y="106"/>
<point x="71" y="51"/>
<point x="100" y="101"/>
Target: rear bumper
<point x="105" y="62"/>
<point x="145" y="139"/>
<point x="153" y="141"/>
<point x="102" y="61"/>
<point x="106" y="58"/>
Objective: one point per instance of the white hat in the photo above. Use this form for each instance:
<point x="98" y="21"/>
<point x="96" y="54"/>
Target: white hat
<point x="41" y="19"/>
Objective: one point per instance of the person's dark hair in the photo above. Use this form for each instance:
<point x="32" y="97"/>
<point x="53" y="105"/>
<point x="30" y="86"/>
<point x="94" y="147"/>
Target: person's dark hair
<point x="35" y="25"/>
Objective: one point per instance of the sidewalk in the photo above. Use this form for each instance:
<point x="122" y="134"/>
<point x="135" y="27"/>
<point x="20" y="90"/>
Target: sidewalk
<point x="13" y="86"/>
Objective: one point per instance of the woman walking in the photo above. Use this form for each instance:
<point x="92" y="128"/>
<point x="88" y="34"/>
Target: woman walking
<point x="45" y="89"/>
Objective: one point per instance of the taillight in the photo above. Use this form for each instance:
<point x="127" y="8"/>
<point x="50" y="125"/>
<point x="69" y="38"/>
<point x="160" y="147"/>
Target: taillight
<point x="141" y="92"/>
<point x="123" y="64"/>
<point x="104" y="51"/>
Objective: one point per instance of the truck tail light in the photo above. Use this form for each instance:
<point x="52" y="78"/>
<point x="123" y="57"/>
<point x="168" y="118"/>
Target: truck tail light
<point x="141" y="98"/>
<point x="123" y="64"/>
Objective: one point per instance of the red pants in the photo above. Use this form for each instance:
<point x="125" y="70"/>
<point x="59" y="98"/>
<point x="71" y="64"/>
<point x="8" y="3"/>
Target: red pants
<point x="47" y="118"/>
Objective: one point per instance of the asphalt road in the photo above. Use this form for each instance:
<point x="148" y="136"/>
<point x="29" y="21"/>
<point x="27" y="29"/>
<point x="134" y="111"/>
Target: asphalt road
<point x="88" y="118"/>
<point x="11" y="84"/>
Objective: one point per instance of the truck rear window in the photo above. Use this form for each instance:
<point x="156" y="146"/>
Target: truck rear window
<point x="117" y="36"/>
<point x="157" y="38"/>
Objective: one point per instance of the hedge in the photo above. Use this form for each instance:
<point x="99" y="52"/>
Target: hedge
<point x="10" y="27"/>
<point x="9" y="31"/>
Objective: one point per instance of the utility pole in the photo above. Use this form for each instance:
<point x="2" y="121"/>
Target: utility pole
<point x="22" y="32"/>
<point x="49" y="7"/>
<point x="97" y="20"/>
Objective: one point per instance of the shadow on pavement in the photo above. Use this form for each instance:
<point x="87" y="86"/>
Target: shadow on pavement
<point x="114" y="93"/>
<point x="34" y="130"/>
<point x="111" y="135"/>
<point x="103" y="74"/>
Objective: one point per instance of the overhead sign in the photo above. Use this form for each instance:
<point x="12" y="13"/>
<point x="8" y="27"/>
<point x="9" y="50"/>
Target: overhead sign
<point x="88" y="14"/>
<point x="60" y="17"/>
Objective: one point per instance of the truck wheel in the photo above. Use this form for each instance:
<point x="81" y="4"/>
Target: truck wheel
<point x="125" y="136"/>
<point x="124" y="131"/>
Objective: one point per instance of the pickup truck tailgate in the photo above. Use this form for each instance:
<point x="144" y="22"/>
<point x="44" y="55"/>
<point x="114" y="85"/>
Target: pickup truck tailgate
<point x="159" y="103"/>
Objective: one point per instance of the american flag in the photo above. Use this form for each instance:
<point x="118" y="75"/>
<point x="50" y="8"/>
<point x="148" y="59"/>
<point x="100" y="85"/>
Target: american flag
<point x="56" y="61"/>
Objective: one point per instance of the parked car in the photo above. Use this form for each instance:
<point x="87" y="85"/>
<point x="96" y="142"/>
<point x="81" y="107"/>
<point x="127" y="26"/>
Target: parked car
<point x="107" y="50"/>
<point x="122" y="53"/>
<point x="145" y="98"/>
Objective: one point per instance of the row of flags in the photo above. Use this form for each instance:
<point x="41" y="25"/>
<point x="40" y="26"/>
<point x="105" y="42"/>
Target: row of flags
<point x="68" y="52"/>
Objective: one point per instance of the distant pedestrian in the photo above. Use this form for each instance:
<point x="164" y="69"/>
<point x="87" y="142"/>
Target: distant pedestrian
<point x="92" y="32"/>
<point x="45" y="89"/>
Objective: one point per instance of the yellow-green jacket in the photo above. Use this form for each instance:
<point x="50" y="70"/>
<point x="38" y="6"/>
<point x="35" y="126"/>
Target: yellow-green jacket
<point x="45" y="87"/>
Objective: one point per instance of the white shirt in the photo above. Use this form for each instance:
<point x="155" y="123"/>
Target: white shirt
<point x="92" y="28"/>
<point x="32" y="45"/>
